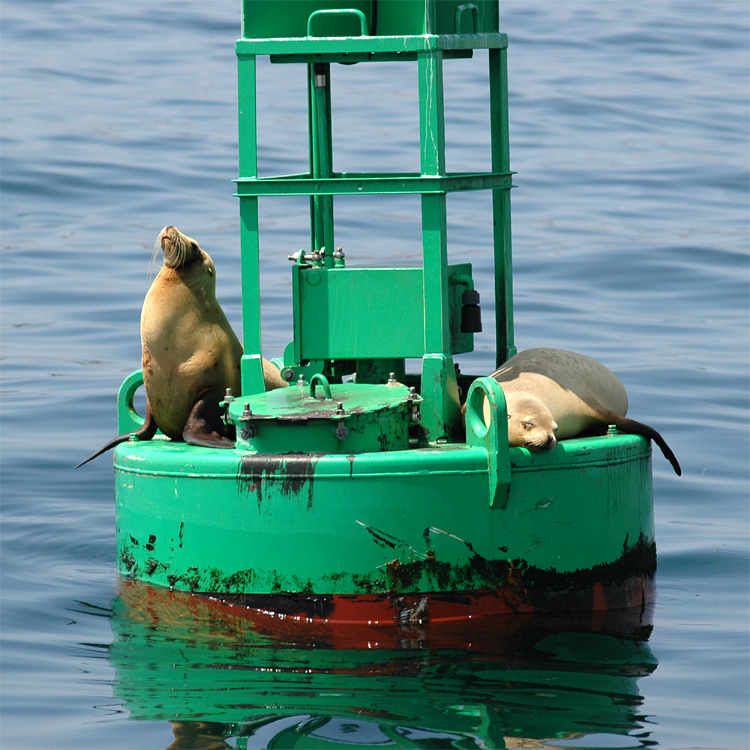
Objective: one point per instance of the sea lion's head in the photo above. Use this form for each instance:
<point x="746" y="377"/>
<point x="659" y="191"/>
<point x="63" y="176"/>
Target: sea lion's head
<point x="179" y="249"/>
<point x="530" y="423"/>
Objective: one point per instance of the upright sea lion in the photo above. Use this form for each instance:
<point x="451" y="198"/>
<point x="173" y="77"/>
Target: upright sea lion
<point x="191" y="355"/>
<point x="553" y="394"/>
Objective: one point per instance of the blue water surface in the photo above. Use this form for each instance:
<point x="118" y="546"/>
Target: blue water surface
<point x="629" y="136"/>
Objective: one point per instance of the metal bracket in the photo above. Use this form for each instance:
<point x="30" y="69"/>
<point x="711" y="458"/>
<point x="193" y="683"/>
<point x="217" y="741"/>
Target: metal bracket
<point x="487" y="427"/>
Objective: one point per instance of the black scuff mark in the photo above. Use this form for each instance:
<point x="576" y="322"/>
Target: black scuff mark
<point x="127" y="559"/>
<point x="277" y="583"/>
<point x="380" y="538"/>
<point x="518" y="584"/>
<point x="291" y="472"/>
<point x="304" y="587"/>
<point x="383" y="440"/>
<point x="190" y="580"/>
<point x="239" y="581"/>
<point x="406" y="583"/>
<point x="384" y="539"/>
<point x="367" y="584"/>
<point x="406" y="576"/>
<point x="517" y="577"/>
<point x="434" y="530"/>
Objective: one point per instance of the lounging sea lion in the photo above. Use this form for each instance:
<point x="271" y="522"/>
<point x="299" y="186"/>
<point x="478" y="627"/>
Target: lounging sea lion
<point x="191" y="355"/>
<point x="553" y="394"/>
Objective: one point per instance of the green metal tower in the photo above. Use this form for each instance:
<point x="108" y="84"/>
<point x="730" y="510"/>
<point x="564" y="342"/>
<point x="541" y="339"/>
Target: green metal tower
<point x="424" y="319"/>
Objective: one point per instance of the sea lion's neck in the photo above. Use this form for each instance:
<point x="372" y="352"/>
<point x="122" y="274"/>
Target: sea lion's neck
<point x="196" y="278"/>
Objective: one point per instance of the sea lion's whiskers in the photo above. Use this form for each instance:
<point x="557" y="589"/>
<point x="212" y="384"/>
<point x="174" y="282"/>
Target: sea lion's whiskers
<point x="536" y="440"/>
<point x="181" y="253"/>
<point x="153" y="265"/>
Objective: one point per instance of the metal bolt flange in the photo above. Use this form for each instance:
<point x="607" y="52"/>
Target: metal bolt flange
<point x="341" y="432"/>
<point x="248" y="431"/>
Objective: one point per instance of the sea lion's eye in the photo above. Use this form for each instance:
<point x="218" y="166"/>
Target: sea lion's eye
<point x="527" y="425"/>
<point x="194" y="246"/>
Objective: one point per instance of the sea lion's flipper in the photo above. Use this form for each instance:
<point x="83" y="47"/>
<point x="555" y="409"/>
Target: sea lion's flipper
<point x="145" y="432"/>
<point x="630" y="426"/>
<point x="204" y="425"/>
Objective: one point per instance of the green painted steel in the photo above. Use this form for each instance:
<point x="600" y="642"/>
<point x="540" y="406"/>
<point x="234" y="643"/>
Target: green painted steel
<point x="236" y="522"/>
<point x="360" y="477"/>
<point x="363" y="183"/>
<point x="293" y="510"/>
<point x="366" y="18"/>
<point x="362" y="49"/>
<point x="252" y="368"/>
<point x="492" y="437"/>
<point x="425" y="32"/>
<point x="384" y="323"/>
<point x="302" y="17"/>
<point x="500" y="141"/>
<point x="317" y="417"/>
<point x="349" y="523"/>
<point x="321" y="154"/>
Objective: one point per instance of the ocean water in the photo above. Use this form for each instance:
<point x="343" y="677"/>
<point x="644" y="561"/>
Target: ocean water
<point x="629" y="136"/>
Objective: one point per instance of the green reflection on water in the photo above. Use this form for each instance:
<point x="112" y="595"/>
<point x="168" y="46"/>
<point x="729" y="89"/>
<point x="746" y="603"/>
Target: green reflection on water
<point x="224" y="680"/>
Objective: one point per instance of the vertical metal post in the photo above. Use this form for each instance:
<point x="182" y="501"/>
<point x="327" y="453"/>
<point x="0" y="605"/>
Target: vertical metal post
<point x="499" y="138"/>
<point x="440" y="410"/>
<point x="321" y="156"/>
<point x="251" y="366"/>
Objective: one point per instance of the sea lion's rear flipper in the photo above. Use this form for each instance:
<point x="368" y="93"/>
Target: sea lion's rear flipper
<point x="145" y="432"/>
<point x="204" y="425"/>
<point x="638" y="428"/>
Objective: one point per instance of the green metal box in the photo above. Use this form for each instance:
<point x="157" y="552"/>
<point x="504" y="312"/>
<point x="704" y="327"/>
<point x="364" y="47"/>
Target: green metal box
<point x="369" y="313"/>
<point x="270" y="19"/>
<point x="266" y="19"/>
<point x="414" y="17"/>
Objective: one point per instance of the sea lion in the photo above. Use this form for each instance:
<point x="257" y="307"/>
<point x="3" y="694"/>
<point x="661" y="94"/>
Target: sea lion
<point x="191" y="355"/>
<point x="553" y="394"/>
